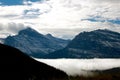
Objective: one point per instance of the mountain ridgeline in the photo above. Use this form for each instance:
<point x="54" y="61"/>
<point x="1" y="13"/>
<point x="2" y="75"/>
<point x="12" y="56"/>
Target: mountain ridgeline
<point x="35" y="44"/>
<point x="94" y="44"/>
<point x="15" y="65"/>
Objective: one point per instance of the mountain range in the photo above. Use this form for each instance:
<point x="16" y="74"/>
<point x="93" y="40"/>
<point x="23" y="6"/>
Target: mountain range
<point x="34" y="43"/>
<point x="94" y="44"/>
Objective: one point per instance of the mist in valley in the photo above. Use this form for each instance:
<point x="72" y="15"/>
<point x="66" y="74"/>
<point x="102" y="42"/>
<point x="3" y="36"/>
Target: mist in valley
<point x="78" y="67"/>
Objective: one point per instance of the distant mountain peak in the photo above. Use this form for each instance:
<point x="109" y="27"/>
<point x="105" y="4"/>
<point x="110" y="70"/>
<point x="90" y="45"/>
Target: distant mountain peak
<point x="104" y="31"/>
<point x="30" y="32"/>
<point x="28" y="29"/>
<point x="49" y="35"/>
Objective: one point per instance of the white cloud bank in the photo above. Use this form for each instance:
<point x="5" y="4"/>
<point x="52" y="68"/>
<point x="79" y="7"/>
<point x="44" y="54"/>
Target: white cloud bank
<point x="81" y="66"/>
<point x="10" y="29"/>
<point x="64" y="17"/>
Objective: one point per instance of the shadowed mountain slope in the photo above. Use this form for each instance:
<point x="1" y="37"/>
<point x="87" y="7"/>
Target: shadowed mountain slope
<point x="15" y="65"/>
<point x="94" y="44"/>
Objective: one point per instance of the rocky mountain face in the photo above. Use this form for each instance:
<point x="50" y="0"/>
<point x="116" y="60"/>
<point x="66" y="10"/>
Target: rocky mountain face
<point x="1" y="40"/>
<point x="15" y="65"/>
<point x="94" y="44"/>
<point x="35" y="44"/>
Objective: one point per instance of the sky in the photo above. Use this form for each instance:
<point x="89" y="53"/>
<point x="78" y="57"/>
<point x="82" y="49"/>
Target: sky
<point x="61" y="18"/>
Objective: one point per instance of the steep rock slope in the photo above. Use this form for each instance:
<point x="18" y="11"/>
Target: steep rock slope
<point x="35" y="44"/>
<point x="94" y="44"/>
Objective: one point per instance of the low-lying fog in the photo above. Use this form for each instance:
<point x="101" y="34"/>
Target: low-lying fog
<point x="81" y="66"/>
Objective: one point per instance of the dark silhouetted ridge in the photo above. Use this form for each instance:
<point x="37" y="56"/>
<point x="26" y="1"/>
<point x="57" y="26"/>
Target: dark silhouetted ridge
<point x="15" y="65"/>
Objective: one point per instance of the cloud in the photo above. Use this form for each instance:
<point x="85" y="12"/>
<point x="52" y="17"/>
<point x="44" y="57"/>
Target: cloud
<point x="10" y="28"/>
<point x="107" y="1"/>
<point x="72" y="16"/>
<point x="81" y="66"/>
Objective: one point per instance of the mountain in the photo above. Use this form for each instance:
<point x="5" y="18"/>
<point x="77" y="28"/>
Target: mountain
<point x="58" y="41"/>
<point x="35" y="44"/>
<point x="15" y="65"/>
<point x="94" y="44"/>
<point x="1" y="40"/>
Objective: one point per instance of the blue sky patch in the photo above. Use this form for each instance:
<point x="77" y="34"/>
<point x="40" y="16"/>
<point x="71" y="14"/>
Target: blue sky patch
<point x="94" y="20"/>
<point x="32" y="13"/>
<point x="11" y="2"/>
<point x="117" y="21"/>
<point x="15" y="2"/>
<point x="100" y="19"/>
